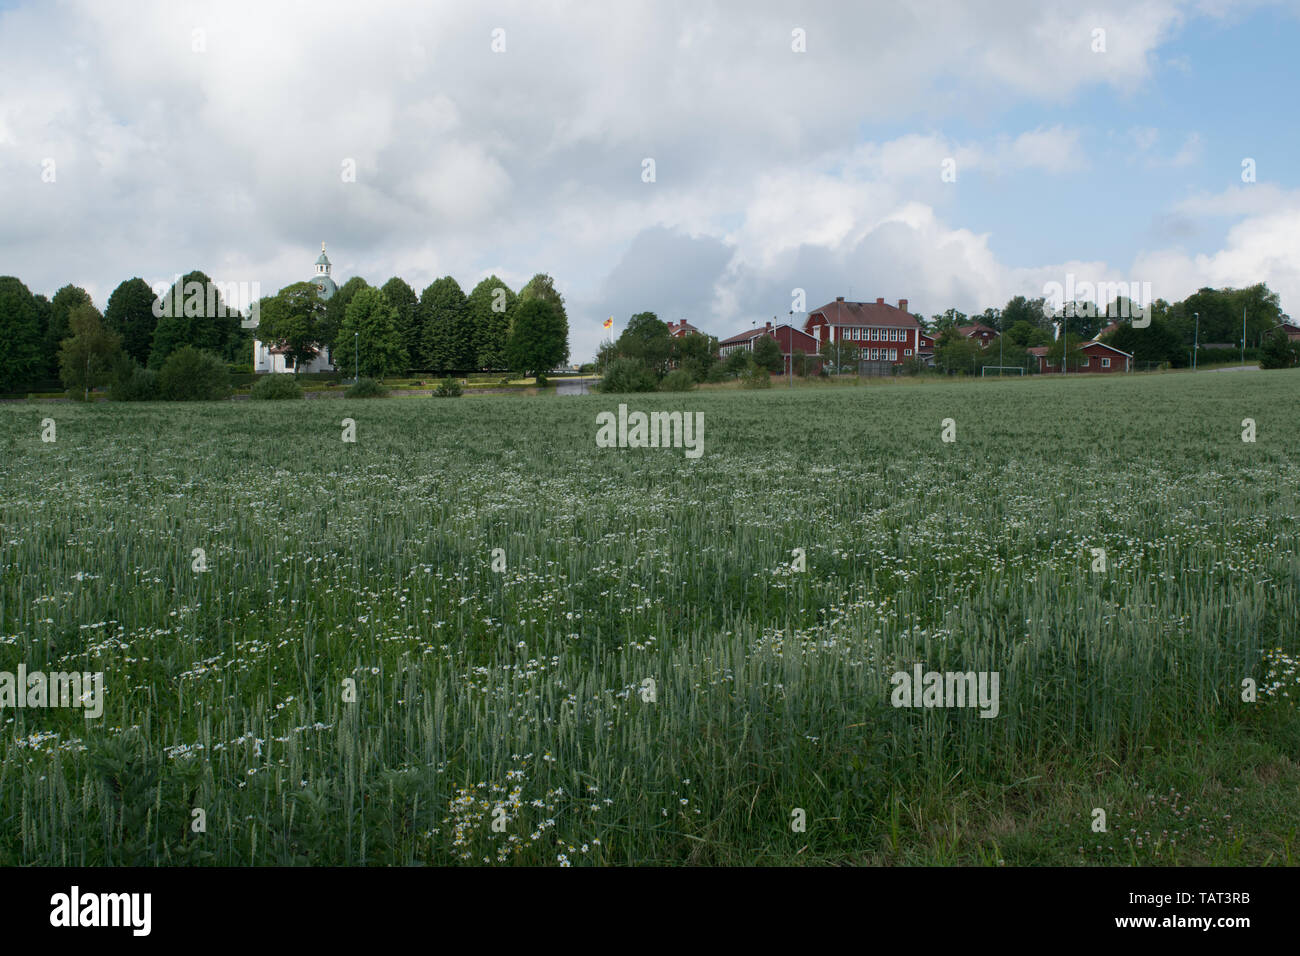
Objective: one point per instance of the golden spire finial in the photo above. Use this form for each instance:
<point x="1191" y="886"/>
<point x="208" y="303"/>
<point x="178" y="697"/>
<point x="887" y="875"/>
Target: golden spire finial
<point x="322" y="245"/>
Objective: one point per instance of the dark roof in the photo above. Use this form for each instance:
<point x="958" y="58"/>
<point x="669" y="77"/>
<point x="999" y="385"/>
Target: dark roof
<point x="746" y="336"/>
<point x="742" y="337"/>
<point x="969" y="330"/>
<point x="879" y="314"/>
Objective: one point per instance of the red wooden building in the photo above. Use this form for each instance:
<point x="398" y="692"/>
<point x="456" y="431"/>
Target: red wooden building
<point x="1097" y="357"/>
<point x="788" y="339"/>
<point x="882" y="333"/>
<point x="979" y="332"/>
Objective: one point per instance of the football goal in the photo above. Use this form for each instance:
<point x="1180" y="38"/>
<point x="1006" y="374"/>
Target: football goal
<point x="984" y="369"/>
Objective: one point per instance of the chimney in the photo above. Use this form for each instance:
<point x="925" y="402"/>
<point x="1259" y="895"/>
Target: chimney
<point x="880" y="300"/>
<point x="839" y="298"/>
<point x="767" y="326"/>
<point x="902" y="304"/>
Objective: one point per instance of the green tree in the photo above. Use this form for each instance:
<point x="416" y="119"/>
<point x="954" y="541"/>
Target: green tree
<point x="192" y="312"/>
<point x="410" y="324"/>
<point x="294" y="319"/>
<point x="948" y="319"/>
<point x="1076" y="357"/>
<point x="1155" y="344"/>
<point x="1030" y="311"/>
<point x="336" y="307"/>
<point x="61" y="306"/>
<point x="1025" y="335"/>
<point x="446" y="343"/>
<point x="130" y="315"/>
<point x="838" y="356"/>
<point x="767" y="354"/>
<point x="737" y="361"/>
<point x="646" y="339"/>
<point x="542" y="286"/>
<point x="954" y="353"/>
<point x="539" y="338"/>
<point x="489" y="309"/>
<point x="89" y="355"/>
<point x="695" y="353"/>
<point x="371" y="323"/>
<point x="20" y="336"/>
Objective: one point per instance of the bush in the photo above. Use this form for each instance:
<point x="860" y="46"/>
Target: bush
<point x="627" y="375"/>
<point x="755" y="376"/>
<point x="192" y="375"/>
<point x="447" y="388"/>
<point x="134" y="384"/>
<point x="912" y="365"/>
<point x="678" y="380"/>
<point x="274" y="387"/>
<point x="717" y="373"/>
<point x="1278" y="352"/>
<point x="367" y="388"/>
<point x="239" y="369"/>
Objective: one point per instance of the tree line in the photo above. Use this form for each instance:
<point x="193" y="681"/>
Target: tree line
<point x="389" y="329"/>
<point x="1168" y="338"/>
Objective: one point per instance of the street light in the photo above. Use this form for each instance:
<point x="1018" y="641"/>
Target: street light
<point x="790" y="377"/>
<point x="356" y="361"/>
<point x="1243" y="335"/>
<point x="1196" y="340"/>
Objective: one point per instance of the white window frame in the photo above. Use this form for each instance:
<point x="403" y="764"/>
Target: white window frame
<point x="1105" y="362"/>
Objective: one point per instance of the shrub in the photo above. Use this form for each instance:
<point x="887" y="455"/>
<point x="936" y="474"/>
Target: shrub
<point x="627" y="375"/>
<point x="755" y="376"/>
<point x="717" y="373"/>
<point x="192" y="375"/>
<point x="367" y="388"/>
<point x="447" y="388"/>
<point x="678" y="380"/>
<point x="134" y="384"/>
<point x="237" y="368"/>
<point x="912" y="365"/>
<point x="274" y="387"/>
<point x="1278" y="352"/>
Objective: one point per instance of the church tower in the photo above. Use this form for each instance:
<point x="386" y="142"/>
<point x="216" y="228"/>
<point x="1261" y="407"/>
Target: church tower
<point x="269" y="357"/>
<point x="322" y="280"/>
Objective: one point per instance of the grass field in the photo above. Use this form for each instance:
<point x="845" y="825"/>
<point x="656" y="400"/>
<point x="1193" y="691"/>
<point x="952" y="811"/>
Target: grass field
<point x="521" y="695"/>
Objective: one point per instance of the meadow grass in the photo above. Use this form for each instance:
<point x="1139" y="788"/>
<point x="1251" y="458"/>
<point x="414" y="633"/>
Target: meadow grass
<point x="521" y="694"/>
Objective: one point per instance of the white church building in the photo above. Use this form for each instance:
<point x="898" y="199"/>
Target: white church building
<point x="271" y="358"/>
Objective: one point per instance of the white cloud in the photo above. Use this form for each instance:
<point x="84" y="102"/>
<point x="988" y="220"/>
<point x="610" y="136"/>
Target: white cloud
<point x="470" y="161"/>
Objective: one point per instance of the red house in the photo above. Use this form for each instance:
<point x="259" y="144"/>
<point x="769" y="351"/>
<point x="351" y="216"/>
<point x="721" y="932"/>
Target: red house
<point x="882" y="333"/>
<point x="979" y="332"/>
<point x="788" y="339"/>
<point x="678" y="329"/>
<point x="1097" y="357"/>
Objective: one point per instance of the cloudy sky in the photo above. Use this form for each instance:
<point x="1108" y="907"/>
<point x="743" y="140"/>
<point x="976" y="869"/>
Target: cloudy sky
<point x="152" y="138"/>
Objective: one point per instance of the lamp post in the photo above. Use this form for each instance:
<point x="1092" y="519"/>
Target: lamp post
<point x="1243" y="335"/>
<point x="356" y="357"/>
<point x="1065" y="314"/>
<point x="1196" y="339"/>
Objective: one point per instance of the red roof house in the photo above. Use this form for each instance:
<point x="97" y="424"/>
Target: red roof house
<point x="788" y="338"/>
<point x="882" y="333"/>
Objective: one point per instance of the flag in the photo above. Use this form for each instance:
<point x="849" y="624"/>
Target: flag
<point x="609" y="323"/>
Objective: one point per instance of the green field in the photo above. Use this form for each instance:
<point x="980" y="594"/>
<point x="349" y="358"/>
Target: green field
<point x="521" y="695"/>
